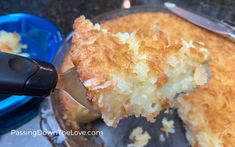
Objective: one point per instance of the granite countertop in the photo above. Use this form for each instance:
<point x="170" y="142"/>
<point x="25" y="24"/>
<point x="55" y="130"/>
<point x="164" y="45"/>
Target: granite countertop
<point x="63" y="12"/>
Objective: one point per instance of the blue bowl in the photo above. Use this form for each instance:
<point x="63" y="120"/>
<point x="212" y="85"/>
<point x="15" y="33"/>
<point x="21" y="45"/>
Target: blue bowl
<point x="43" y="40"/>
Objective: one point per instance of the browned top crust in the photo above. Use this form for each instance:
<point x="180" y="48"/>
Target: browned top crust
<point x="210" y="115"/>
<point x="115" y="68"/>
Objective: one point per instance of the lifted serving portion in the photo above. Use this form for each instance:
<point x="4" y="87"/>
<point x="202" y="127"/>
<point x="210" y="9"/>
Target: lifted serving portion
<point x="134" y="73"/>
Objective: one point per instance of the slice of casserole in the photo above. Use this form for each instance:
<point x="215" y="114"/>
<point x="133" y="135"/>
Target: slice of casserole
<point x="134" y="74"/>
<point x="208" y="113"/>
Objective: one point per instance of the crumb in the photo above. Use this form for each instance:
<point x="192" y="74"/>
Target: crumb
<point x="162" y="138"/>
<point x="201" y="75"/>
<point x="130" y="73"/>
<point x="139" y="138"/>
<point x="65" y="117"/>
<point x="10" y="42"/>
<point x="166" y="111"/>
<point x="168" y="126"/>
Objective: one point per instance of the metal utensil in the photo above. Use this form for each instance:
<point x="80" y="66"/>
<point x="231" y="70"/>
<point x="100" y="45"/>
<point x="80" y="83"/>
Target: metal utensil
<point x="24" y="76"/>
<point x="69" y="82"/>
<point x="219" y="27"/>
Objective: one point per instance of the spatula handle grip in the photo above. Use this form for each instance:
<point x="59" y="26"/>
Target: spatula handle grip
<point x="24" y="76"/>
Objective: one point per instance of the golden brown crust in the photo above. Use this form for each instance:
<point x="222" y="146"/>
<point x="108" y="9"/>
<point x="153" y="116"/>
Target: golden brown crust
<point x="209" y="98"/>
<point x="214" y="102"/>
<point x="117" y="68"/>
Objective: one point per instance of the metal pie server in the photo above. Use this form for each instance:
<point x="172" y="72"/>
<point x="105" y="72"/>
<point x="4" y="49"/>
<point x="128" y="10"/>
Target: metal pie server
<point x="24" y="76"/>
<point x="218" y="27"/>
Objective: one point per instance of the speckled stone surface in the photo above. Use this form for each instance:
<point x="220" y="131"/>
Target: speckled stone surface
<point x="63" y="12"/>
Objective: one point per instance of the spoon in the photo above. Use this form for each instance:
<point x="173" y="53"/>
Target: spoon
<point x="24" y="76"/>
